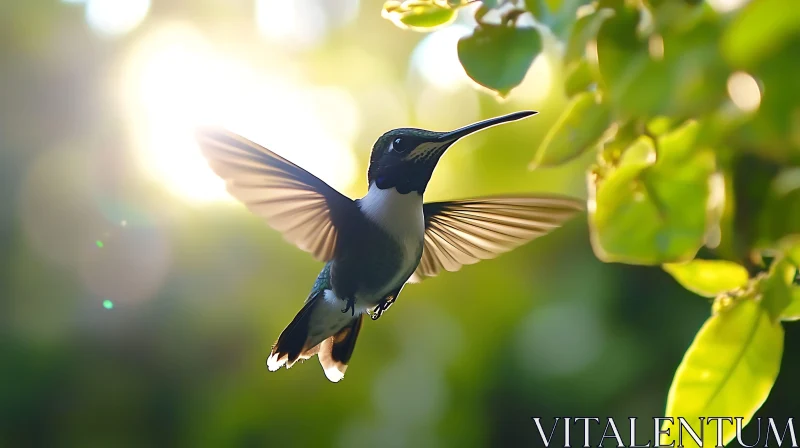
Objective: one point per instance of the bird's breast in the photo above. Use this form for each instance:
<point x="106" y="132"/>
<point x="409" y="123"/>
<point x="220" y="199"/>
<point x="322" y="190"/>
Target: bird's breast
<point x="400" y="217"/>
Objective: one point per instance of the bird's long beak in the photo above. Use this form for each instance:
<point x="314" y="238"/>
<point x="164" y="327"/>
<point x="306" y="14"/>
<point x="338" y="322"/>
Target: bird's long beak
<point x="452" y="136"/>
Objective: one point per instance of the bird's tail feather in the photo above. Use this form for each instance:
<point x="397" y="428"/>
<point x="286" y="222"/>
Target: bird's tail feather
<point x="295" y="342"/>
<point x="335" y="352"/>
<point x="291" y="343"/>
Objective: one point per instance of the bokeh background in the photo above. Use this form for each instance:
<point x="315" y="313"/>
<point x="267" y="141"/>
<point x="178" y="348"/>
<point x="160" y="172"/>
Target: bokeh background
<point x="138" y="302"/>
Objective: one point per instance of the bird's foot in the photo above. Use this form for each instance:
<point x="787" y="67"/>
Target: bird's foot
<point x="381" y="307"/>
<point x="351" y="306"/>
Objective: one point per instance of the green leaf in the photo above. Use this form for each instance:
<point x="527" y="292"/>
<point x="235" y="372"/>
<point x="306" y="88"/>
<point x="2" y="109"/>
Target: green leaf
<point x="619" y="48"/>
<point x="559" y="16"/>
<point x="578" y="78"/>
<point x="555" y="5"/>
<point x="729" y="370"/>
<point x="579" y="127"/>
<point x="669" y="15"/>
<point x="776" y="288"/>
<point x="772" y="133"/>
<point x="613" y="149"/>
<point x="585" y="30"/>
<point x="708" y="278"/>
<point x="535" y="7"/>
<point x="758" y="30"/>
<point x="498" y="57"/>
<point x="780" y="217"/>
<point x="419" y="15"/>
<point x="792" y="311"/>
<point x="653" y="210"/>
<point x="660" y="125"/>
<point x="679" y="73"/>
<point x="790" y="246"/>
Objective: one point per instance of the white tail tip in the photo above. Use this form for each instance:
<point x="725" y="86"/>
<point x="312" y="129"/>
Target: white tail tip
<point x="333" y="374"/>
<point x="274" y="363"/>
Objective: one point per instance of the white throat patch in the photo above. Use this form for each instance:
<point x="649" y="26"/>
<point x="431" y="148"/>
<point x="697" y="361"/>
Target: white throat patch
<point x="400" y="215"/>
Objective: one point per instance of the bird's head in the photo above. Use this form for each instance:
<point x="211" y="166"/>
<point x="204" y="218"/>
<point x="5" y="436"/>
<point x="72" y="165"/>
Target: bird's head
<point x="405" y="158"/>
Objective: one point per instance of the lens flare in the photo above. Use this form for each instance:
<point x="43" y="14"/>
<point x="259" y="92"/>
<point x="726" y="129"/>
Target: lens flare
<point x="744" y="91"/>
<point x="302" y="24"/>
<point x="175" y="81"/>
<point x="115" y="17"/>
<point x="436" y="58"/>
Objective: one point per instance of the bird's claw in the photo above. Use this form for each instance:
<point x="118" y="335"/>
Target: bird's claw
<point x="381" y="307"/>
<point x="351" y="306"/>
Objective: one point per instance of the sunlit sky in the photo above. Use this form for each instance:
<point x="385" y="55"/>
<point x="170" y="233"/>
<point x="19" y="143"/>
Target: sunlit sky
<point x="176" y="82"/>
<point x="174" y="79"/>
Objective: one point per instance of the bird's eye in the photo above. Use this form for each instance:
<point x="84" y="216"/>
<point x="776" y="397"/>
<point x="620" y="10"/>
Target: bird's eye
<point x="399" y="146"/>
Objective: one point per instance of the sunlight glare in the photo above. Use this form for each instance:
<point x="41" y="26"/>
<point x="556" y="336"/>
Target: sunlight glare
<point x="341" y="113"/>
<point x="436" y="58"/>
<point x="115" y="17"/>
<point x="302" y="23"/>
<point x="176" y="82"/>
<point x="744" y="92"/>
<point x="536" y="86"/>
<point x="723" y="6"/>
<point x="655" y="46"/>
<point x="446" y="110"/>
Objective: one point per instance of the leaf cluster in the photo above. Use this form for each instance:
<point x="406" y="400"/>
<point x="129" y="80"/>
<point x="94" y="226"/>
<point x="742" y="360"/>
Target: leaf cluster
<point x="694" y="116"/>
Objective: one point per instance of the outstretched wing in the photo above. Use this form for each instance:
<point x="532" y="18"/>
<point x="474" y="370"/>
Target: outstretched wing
<point x="470" y="230"/>
<point x="293" y="201"/>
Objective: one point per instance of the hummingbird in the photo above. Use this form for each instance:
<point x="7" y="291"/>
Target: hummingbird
<point x="373" y="246"/>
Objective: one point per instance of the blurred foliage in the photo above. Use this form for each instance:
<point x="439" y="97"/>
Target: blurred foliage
<point x="676" y="99"/>
<point x="578" y="129"/>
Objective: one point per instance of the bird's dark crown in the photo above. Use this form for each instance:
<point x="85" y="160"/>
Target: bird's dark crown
<point x="405" y="158"/>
